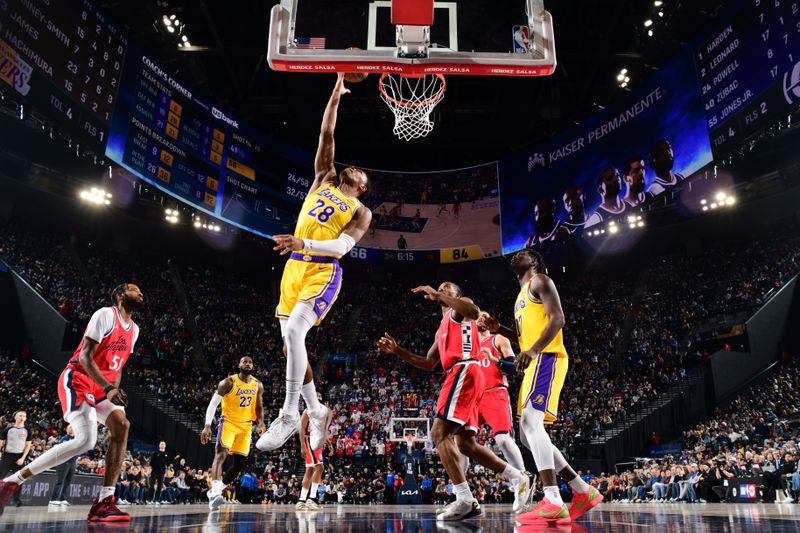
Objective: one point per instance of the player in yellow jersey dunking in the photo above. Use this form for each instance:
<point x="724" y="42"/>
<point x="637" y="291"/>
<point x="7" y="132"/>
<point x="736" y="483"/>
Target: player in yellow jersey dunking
<point x="330" y="223"/>
<point x="241" y="396"/>
<point x="543" y="359"/>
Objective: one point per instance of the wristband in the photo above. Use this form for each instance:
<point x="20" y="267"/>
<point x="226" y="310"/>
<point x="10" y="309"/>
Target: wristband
<point x="108" y="388"/>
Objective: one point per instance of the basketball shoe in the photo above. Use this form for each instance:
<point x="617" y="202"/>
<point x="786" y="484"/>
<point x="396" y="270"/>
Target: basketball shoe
<point x="545" y="514"/>
<point x="106" y="511"/>
<point x="7" y="490"/>
<point x="459" y="510"/>
<point x="582" y="503"/>
<point x="320" y="421"/>
<point x="281" y="429"/>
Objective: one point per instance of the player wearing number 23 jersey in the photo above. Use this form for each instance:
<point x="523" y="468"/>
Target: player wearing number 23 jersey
<point x="310" y="276"/>
<point x="238" y="413"/>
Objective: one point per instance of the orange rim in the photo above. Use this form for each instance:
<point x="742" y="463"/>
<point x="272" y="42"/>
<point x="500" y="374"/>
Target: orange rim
<point x="402" y="103"/>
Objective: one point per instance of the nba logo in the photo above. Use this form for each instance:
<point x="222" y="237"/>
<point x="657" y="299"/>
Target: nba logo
<point x="521" y="39"/>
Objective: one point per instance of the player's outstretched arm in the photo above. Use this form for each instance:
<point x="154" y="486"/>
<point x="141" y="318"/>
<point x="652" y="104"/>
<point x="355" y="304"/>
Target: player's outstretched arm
<point x="323" y="162"/>
<point x="352" y="233"/>
<point x="506" y="364"/>
<point x="463" y="307"/>
<point x="223" y="388"/>
<point x="387" y="344"/>
<point x="494" y="326"/>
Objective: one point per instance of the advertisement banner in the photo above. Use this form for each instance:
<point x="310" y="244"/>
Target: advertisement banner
<point x="609" y="165"/>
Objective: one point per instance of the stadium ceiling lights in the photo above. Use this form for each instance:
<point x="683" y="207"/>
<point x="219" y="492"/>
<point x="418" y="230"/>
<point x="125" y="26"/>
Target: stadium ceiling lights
<point x="96" y="196"/>
<point x="171" y="216"/>
<point x="622" y="78"/>
<point x="721" y="199"/>
<point x="635" y="221"/>
<point x="210" y="226"/>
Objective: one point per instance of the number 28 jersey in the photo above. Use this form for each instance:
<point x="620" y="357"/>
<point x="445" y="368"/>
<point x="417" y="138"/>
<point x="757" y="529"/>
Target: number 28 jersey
<point x="115" y="341"/>
<point x="324" y="214"/>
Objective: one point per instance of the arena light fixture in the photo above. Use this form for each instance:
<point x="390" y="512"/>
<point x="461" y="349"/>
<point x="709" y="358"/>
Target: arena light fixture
<point x="613" y="229"/>
<point x="705" y="208"/>
<point x="713" y="205"/>
<point x="648" y="23"/>
<point x="660" y="13"/>
<point x="640" y="224"/>
<point x="171" y="216"/>
<point x="730" y="200"/>
<point x="96" y="196"/>
<point x="658" y="3"/>
<point x="720" y="196"/>
<point x="703" y="201"/>
<point x="649" y="33"/>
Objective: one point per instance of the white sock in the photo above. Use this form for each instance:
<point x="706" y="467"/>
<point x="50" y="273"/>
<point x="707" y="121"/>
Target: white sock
<point x="309" y="392"/>
<point x="300" y="322"/>
<point x="462" y="492"/>
<point x="304" y="494"/>
<point x="512" y="474"/>
<point x="579" y="486"/>
<point x="314" y="491"/>
<point x="105" y="492"/>
<point x="464" y="461"/>
<point x="15" y="478"/>
<point x="552" y="494"/>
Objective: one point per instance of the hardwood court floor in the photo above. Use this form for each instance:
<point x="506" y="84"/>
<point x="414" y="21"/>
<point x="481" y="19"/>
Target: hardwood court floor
<point x="615" y="518"/>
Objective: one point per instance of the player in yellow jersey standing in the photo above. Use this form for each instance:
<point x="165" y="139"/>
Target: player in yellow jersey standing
<point x="330" y="223"/>
<point x="241" y="396"/>
<point x="543" y="359"/>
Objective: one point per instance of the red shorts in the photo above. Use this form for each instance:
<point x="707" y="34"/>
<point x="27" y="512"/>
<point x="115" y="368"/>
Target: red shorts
<point x="461" y="391"/>
<point x="313" y="457"/>
<point x="495" y="411"/>
<point x="74" y="388"/>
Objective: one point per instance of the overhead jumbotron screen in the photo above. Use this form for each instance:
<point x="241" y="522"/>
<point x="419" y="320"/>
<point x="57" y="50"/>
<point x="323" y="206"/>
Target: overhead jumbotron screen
<point x="175" y="139"/>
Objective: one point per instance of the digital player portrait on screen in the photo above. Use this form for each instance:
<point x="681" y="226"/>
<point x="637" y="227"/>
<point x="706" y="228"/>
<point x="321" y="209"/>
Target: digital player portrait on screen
<point x="662" y="159"/>
<point x="547" y="227"/>
<point x="635" y="170"/>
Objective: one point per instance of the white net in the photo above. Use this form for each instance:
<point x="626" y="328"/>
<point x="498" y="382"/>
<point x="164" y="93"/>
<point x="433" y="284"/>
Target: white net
<point x="411" y="100"/>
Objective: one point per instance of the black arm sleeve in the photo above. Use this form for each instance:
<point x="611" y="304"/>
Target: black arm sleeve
<point x="507" y="366"/>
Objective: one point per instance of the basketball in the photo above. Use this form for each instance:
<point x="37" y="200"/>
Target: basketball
<point x="355" y="77"/>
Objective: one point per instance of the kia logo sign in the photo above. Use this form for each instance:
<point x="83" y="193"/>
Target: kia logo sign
<point x="408" y="492"/>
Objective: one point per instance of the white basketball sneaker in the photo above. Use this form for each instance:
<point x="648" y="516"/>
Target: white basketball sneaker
<point x="281" y="430"/>
<point x="459" y="510"/>
<point x="522" y="493"/>
<point x="319" y="420"/>
<point x="215" y="501"/>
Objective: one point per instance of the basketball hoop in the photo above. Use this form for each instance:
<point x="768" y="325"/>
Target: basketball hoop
<point x="411" y="99"/>
<point x="409" y="440"/>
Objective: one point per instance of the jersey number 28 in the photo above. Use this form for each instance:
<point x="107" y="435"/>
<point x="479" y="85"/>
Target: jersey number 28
<point x="324" y="215"/>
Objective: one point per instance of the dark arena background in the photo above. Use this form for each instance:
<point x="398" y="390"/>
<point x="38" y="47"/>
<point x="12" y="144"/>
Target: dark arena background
<point x="648" y="150"/>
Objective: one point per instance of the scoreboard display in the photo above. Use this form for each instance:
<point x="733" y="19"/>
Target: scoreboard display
<point x="749" y="70"/>
<point x="185" y="145"/>
<point x="66" y="58"/>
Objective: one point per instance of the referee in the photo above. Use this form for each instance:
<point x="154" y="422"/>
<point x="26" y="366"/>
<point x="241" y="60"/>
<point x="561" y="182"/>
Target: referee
<point x="15" y="443"/>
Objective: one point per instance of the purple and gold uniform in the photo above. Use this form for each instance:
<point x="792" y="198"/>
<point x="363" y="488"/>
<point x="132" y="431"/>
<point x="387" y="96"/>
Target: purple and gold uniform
<point x="311" y="276"/>
<point x="544" y="377"/>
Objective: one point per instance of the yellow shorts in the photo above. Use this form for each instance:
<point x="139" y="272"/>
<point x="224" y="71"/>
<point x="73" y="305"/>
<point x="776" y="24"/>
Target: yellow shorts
<point x="542" y="383"/>
<point x="314" y="279"/>
<point x="235" y="436"/>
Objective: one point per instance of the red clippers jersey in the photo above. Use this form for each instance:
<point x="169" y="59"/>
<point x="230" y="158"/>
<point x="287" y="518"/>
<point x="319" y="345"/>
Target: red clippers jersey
<point x="115" y="343"/>
<point x="457" y="341"/>
<point x="492" y="375"/>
